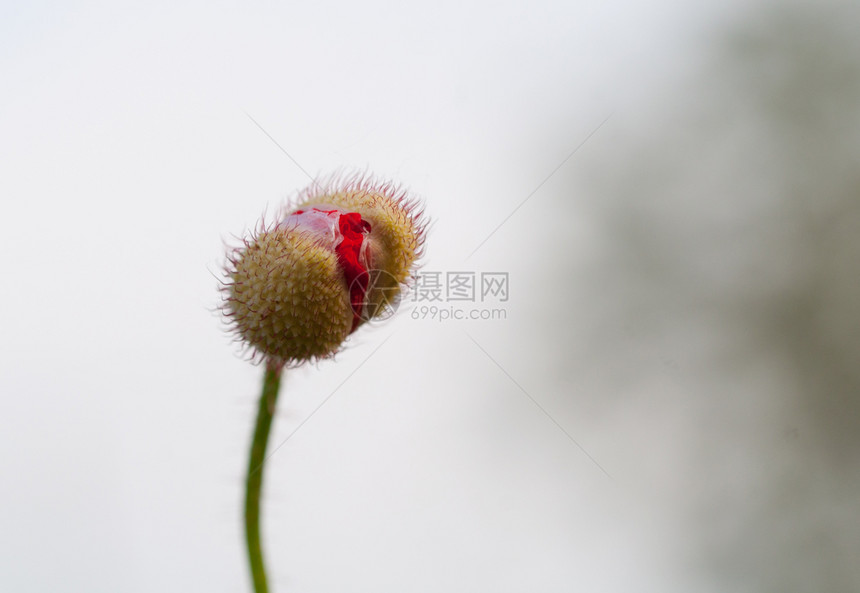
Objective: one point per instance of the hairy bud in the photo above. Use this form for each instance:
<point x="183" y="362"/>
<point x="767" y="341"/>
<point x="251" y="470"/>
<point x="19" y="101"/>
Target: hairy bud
<point x="335" y="258"/>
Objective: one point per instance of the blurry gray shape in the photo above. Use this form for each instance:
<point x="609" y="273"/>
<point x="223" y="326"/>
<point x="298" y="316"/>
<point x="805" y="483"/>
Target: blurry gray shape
<point x="731" y="262"/>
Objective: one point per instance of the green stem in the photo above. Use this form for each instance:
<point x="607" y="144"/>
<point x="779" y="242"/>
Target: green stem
<point x="265" y="413"/>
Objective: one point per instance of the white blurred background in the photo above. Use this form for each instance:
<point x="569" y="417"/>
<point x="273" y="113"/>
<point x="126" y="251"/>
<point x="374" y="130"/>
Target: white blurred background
<point x="684" y="297"/>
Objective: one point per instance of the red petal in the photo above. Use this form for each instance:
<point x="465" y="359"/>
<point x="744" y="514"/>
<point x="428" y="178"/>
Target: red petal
<point x="352" y="227"/>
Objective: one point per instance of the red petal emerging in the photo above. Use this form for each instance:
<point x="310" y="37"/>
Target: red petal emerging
<point x="344" y="233"/>
<point x="353" y="228"/>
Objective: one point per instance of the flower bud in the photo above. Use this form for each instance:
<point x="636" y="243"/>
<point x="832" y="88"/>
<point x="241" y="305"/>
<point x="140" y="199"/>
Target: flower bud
<point x="335" y="258"/>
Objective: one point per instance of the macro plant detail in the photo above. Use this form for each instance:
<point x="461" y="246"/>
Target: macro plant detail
<point x="333" y="259"/>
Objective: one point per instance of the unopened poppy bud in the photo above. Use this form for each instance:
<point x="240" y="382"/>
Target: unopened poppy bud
<point x="335" y="258"/>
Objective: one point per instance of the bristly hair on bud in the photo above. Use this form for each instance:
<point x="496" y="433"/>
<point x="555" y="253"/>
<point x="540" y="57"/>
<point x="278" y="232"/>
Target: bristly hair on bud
<point x="335" y="257"/>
